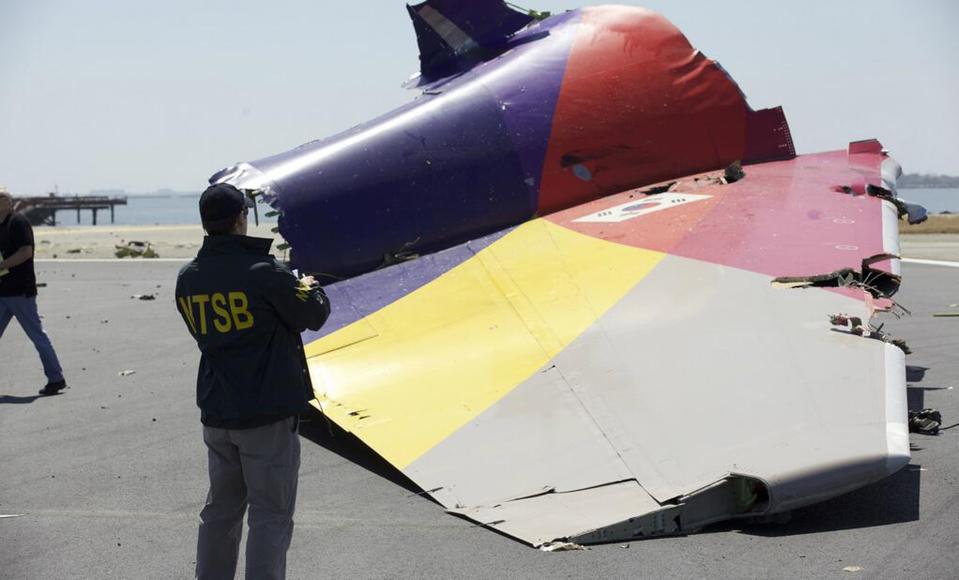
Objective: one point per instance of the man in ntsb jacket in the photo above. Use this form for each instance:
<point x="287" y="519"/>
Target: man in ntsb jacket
<point x="246" y="311"/>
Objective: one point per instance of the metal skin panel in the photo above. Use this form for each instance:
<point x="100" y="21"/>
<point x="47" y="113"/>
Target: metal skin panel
<point x="538" y="438"/>
<point x="399" y="185"/>
<point x="461" y="161"/>
<point x="757" y="383"/>
<point x="783" y="218"/>
<point x="444" y="353"/>
<point x="638" y="104"/>
<point x="528" y="102"/>
<point x="538" y="519"/>
<point x="620" y="336"/>
<point x="357" y="298"/>
<point x="575" y="107"/>
<point x="553" y="361"/>
<point x="824" y="402"/>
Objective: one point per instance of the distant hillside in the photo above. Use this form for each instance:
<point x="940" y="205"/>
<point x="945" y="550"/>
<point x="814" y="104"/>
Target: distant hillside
<point x="921" y="181"/>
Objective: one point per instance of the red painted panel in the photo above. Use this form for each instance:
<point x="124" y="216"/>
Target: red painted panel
<point x="784" y="218"/>
<point x="638" y="104"/>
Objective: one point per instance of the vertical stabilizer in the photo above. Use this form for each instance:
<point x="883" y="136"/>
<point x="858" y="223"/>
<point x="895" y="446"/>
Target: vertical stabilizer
<point x="453" y="35"/>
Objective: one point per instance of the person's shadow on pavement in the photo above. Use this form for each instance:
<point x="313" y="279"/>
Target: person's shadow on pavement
<point x="12" y="400"/>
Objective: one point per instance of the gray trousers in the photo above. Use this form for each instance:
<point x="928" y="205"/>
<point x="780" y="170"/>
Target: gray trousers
<point x="257" y="467"/>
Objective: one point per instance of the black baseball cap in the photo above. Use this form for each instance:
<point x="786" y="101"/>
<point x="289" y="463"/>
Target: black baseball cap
<point x="222" y="201"/>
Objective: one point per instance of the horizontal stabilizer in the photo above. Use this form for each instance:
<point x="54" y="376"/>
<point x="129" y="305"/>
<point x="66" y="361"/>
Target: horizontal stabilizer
<point x="455" y="34"/>
<point x="558" y="351"/>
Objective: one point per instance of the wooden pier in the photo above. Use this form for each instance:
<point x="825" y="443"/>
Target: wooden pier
<point x="43" y="210"/>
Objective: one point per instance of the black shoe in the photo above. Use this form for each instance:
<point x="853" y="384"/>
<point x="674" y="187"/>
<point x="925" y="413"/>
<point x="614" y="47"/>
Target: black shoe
<point x="53" y="388"/>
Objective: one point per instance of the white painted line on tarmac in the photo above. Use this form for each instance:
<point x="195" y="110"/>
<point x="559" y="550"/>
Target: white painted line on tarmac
<point x="930" y="262"/>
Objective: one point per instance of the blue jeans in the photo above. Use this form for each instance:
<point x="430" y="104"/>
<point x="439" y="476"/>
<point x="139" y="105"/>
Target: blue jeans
<point x="25" y="311"/>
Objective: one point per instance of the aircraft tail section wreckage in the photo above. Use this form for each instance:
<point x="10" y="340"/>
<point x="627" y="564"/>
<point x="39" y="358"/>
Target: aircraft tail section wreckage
<point x="582" y="292"/>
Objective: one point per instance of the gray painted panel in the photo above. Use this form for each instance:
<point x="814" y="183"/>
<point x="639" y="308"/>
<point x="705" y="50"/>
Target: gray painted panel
<point x="703" y="370"/>
<point x="542" y="519"/>
<point x="699" y="372"/>
<point x="538" y="437"/>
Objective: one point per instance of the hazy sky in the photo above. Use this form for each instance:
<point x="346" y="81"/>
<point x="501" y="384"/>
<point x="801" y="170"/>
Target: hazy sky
<point x="146" y="95"/>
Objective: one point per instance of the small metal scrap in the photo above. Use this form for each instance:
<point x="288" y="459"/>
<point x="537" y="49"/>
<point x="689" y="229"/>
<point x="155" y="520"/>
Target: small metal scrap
<point x="252" y="194"/>
<point x="134" y="249"/>
<point x="126" y="373"/>
<point x="843" y="320"/>
<point x="403" y="254"/>
<point x="925" y="422"/>
<point x="653" y="190"/>
<point x="854" y="325"/>
<point x="898" y="342"/>
<point x="734" y="172"/>
<point x="914" y="213"/>
<point x="878" y="283"/>
<point x="839" y="278"/>
<point x="561" y="547"/>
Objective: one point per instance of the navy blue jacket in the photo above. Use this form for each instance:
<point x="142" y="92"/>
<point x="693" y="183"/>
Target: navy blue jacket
<point x="246" y="311"/>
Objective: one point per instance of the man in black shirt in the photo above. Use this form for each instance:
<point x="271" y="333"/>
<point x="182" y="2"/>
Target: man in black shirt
<point x="18" y="289"/>
<point x="246" y="312"/>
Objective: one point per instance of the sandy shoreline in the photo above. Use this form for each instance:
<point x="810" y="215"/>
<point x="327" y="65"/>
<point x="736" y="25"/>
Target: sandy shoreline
<point x="183" y="241"/>
<point x="100" y="242"/>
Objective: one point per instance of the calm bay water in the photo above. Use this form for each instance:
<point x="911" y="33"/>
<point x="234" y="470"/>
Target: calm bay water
<point x="148" y="210"/>
<point x="934" y="200"/>
<point x="172" y="210"/>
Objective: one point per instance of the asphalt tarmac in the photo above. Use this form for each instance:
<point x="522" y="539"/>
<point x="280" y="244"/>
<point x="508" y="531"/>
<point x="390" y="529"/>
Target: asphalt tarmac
<point x="107" y="479"/>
